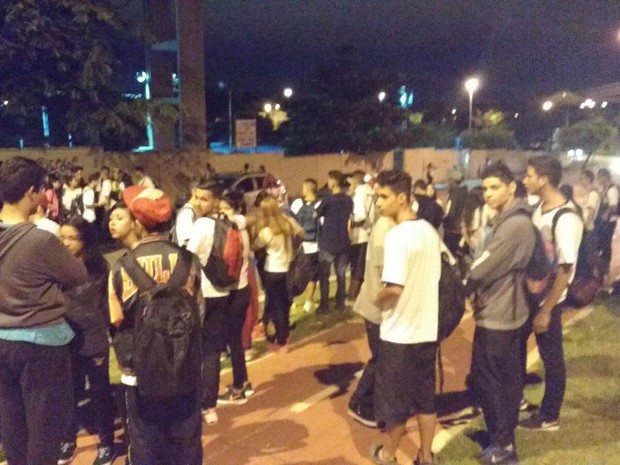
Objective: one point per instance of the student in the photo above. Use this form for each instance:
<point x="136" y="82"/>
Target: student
<point x="304" y="210"/>
<point x="216" y="300"/>
<point x="142" y="179"/>
<point x="71" y="197"/>
<point x="88" y="316"/>
<point x="542" y="178"/>
<point x="408" y="332"/>
<point x="161" y="431"/>
<point x="200" y="204"/>
<point x="335" y="211"/>
<point x="88" y="198"/>
<point x="51" y="195"/>
<point x="605" y="223"/>
<point x="36" y="401"/>
<point x="501" y="311"/>
<point x="275" y="233"/>
<point x="425" y="206"/>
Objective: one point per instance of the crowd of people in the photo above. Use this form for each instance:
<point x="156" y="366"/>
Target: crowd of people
<point x="61" y="303"/>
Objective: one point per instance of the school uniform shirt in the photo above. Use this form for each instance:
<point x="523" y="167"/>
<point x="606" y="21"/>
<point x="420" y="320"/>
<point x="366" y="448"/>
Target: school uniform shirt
<point x="184" y="223"/>
<point x="412" y="260"/>
<point x="201" y="243"/>
<point x="279" y="250"/>
<point x="363" y="210"/>
<point x="568" y="233"/>
<point x="88" y="199"/>
<point x="105" y="192"/>
<point x="589" y="209"/>
<point x="69" y="195"/>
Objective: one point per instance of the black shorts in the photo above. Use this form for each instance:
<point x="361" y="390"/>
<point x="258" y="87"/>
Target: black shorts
<point x="404" y="381"/>
<point x="357" y="259"/>
<point x="314" y="262"/>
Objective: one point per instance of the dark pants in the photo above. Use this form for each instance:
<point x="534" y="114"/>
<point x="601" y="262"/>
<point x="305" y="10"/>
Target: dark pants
<point x="605" y="232"/>
<point x="550" y="346"/>
<point x="497" y="380"/>
<point x="278" y="304"/>
<point x="164" y="432"/>
<point x="340" y="262"/>
<point x="97" y="370"/>
<point x="213" y="343"/>
<point x="357" y="258"/>
<point x="239" y="301"/>
<point x="364" y="394"/>
<point x="36" y="401"/>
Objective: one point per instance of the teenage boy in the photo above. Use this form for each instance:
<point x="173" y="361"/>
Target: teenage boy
<point x="216" y="302"/>
<point x="36" y="394"/>
<point x="304" y="210"/>
<point x="161" y="431"/>
<point x="501" y="311"/>
<point x="200" y="204"/>
<point x="425" y="206"/>
<point x="335" y="211"/>
<point x="542" y="178"/>
<point x="405" y="378"/>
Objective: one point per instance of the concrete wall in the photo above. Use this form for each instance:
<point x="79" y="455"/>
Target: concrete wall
<point x="174" y="170"/>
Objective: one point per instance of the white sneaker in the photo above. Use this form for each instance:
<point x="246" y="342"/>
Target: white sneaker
<point x="249" y="355"/>
<point x="308" y="305"/>
<point x="210" y="416"/>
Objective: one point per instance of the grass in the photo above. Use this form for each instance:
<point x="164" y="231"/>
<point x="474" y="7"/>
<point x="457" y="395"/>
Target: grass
<point x="591" y="412"/>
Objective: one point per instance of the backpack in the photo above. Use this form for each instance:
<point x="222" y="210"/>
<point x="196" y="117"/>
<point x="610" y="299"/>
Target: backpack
<point x="299" y="273"/>
<point x="451" y="298"/>
<point x="307" y="219"/>
<point x="167" y="344"/>
<point x="588" y="274"/>
<point x="223" y="267"/>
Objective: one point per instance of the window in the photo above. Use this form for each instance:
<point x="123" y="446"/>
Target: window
<point x="245" y="185"/>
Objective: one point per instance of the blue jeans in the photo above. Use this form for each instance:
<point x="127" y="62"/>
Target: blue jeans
<point x="340" y="261"/>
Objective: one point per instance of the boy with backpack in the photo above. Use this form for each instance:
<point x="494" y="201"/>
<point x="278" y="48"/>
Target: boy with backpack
<point x="154" y="298"/>
<point x="304" y="210"/>
<point x="501" y="311"/>
<point x="198" y="205"/>
<point x="561" y="226"/>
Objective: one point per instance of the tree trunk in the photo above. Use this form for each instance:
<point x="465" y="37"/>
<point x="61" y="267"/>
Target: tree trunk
<point x="585" y="163"/>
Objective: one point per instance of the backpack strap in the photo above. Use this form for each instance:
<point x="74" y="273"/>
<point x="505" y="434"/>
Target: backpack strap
<point x="24" y="228"/>
<point x="141" y="278"/>
<point x="556" y="218"/>
<point x="183" y="268"/>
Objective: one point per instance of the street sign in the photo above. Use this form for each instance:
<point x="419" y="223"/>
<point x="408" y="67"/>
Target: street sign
<point x="245" y="133"/>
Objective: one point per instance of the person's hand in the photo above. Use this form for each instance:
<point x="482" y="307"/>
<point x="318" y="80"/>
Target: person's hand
<point x="542" y="322"/>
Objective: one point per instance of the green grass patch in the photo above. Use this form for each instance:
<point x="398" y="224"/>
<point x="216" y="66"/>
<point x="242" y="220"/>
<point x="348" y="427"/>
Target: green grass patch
<point x="591" y="412"/>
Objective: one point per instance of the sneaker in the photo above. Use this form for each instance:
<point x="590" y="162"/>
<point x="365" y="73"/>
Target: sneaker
<point x="259" y="333"/>
<point x="377" y="457"/>
<point x="232" y="396"/>
<point x="524" y="406"/>
<point x="223" y="356"/>
<point x="210" y="416"/>
<point x="67" y="451"/>
<point x="322" y="311"/>
<point x="361" y="416"/>
<point x="248" y="389"/>
<point x="308" y="306"/>
<point x="248" y="355"/>
<point x="536" y="423"/>
<point x="417" y="461"/>
<point x="105" y="455"/>
<point x="495" y="454"/>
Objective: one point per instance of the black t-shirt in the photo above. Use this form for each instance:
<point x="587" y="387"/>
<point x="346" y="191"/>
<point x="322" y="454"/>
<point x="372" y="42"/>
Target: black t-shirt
<point x="336" y="210"/>
<point x="429" y="210"/>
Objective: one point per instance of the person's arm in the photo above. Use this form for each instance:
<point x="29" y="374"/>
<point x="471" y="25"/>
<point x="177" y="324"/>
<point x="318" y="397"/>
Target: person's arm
<point x="104" y="195"/>
<point x="590" y="207"/>
<point x="298" y="231"/>
<point x="262" y="239"/>
<point x="360" y="209"/>
<point x="60" y="266"/>
<point x="88" y="198"/>
<point x="388" y="296"/>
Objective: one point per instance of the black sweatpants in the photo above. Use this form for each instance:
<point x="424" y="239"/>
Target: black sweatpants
<point x="497" y="381"/>
<point x="239" y="301"/>
<point x="36" y="401"/>
<point x="213" y="343"/>
<point x="364" y="394"/>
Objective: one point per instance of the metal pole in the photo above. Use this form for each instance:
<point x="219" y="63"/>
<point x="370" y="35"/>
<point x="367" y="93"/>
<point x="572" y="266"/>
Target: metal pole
<point x="230" y="122"/>
<point x="471" y="105"/>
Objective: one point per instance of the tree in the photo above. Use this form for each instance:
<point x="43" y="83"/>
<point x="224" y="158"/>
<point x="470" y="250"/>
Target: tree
<point x="588" y="135"/>
<point x="63" y="54"/>
<point x="489" y="132"/>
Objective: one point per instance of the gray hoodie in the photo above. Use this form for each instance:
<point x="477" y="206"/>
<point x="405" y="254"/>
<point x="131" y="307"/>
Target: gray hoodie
<point x="497" y="276"/>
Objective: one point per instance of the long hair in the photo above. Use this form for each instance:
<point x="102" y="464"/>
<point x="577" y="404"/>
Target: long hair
<point x="95" y="263"/>
<point x="273" y="218"/>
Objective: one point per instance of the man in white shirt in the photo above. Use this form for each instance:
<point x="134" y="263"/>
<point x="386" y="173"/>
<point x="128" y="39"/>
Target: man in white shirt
<point x="201" y="203"/>
<point x="141" y="178"/>
<point x="542" y="178"/>
<point x="105" y="188"/>
<point x="405" y="377"/>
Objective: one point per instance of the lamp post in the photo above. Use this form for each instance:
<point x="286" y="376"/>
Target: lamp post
<point x="471" y="85"/>
<point x="144" y="77"/>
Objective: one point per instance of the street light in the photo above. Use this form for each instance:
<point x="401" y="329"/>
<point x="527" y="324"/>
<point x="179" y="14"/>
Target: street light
<point x="548" y="105"/>
<point x="143" y="77"/>
<point x="288" y="92"/>
<point x="381" y="96"/>
<point x="268" y="107"/>
<point x="471" y="85"/>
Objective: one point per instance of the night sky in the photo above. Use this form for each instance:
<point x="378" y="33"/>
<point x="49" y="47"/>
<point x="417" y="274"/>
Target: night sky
<point x="522" y="50"/>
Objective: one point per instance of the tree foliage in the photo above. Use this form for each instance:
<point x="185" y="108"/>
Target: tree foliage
<point x="588" y="135"/>
<point x="489" y="138"/>
<point x="63" y="54"/>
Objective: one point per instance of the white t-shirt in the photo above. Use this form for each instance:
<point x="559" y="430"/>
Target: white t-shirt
<point x="412" y="260"/>
<point x="146" y="181"/>
<point x="88" y="199"/>
<point x="568" y="233"/>
<point x="201" y="243"/>
<point x="308" y="246"/>
<point x="591" y="204"/>
<point x="48" y="225"/>
<point x="279" y="250"/>
<point x="106" y="191"/>
<point x="363" y="210"/>
<point x="68" y="195"/>
<point x="184" y="223"/>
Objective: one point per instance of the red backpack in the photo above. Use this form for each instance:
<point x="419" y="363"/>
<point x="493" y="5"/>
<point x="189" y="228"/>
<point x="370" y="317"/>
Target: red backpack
<point x="226" y="259"/>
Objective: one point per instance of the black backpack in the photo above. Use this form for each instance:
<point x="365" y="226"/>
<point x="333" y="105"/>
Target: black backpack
<point x="299" y="273"/>
<point x="167" y="345"/>
<point x="307" y="219"/>
<point x="451" y="299"/>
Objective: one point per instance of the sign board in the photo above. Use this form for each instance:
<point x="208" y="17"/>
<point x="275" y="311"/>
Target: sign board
<point x="245" y="133"/>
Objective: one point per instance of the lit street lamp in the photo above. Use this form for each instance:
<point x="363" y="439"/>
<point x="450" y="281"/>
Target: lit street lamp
<point x="548" y="105"/>
<point x="381" y="96"/>
<point x="268" y="107"/>
<point x="471" y="85"/>
<point x="287" y="92"/>
<point x="143" y="77"/>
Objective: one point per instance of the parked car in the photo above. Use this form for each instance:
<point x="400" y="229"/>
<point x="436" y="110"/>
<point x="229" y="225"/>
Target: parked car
<point x="248" y="185"/>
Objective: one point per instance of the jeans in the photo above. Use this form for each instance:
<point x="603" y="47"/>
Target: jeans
<point x="237" y="309"/>
<point x="550" y="346"/>
<point x="364" y="394"/>
<point x="164" y="431"/>
<point x="340" y="261"/>
<point x="278" y="304"/>
<point x="213" y="343"/>
<point x="605" y="232"/>
<point x="497" y="380"/>
<point x="36" y="401"/>
<point x="97" y="370"/>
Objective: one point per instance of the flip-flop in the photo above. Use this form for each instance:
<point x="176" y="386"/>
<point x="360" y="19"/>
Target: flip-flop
<point x="375" y="455"/>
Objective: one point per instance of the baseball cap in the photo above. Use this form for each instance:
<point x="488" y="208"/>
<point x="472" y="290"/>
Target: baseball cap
<point x="149" y="205"/>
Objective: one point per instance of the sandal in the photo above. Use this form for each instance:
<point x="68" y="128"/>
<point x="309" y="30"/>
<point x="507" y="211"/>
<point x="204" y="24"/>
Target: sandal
<point x="377" y="457"/>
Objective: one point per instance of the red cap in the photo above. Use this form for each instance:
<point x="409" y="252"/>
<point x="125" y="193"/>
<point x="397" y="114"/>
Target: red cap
<point x="149" y="205"/>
